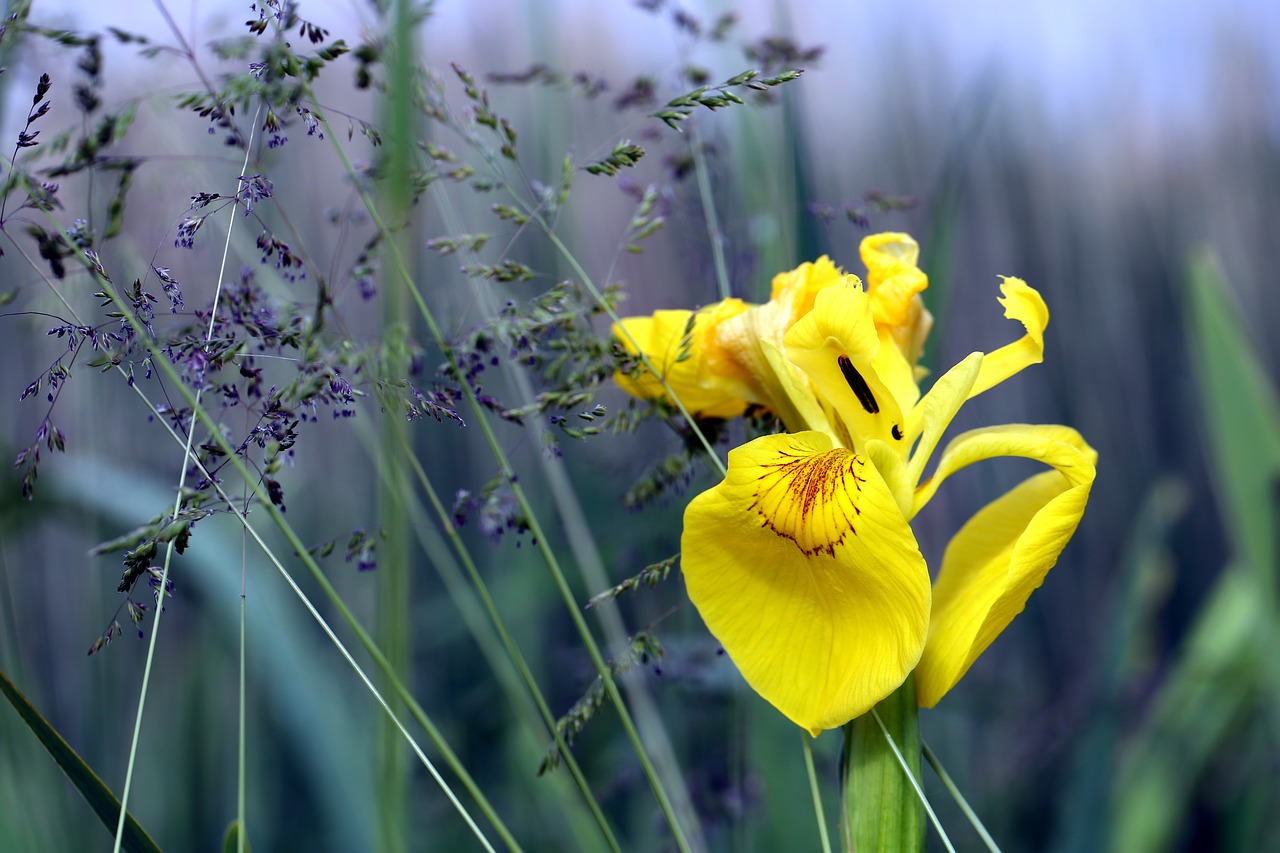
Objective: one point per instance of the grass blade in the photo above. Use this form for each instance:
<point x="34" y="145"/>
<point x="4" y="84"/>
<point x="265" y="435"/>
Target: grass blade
<point x="104" y="803"/>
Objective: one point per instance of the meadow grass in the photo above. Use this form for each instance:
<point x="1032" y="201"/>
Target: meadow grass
<point x="358" y="412"/>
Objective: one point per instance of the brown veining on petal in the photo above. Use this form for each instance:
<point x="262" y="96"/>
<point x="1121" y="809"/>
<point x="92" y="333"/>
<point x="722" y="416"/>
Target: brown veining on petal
<point x="811" y="500"/>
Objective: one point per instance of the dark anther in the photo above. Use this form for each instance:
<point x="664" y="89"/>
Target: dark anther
<point x="897" y="432"/>
<point x="859" y="385"/>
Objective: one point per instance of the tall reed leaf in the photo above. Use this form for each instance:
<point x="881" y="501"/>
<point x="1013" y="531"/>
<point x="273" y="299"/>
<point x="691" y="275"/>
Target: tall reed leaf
<point x="99" y="797"/>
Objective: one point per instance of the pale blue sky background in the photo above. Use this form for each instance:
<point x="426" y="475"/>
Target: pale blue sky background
<point x="1161" y="56"/>
<point x="1156" y="54"/>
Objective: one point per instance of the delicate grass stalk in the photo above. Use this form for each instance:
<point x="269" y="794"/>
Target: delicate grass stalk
<point x="535" y="528"/>
<point x="915" y="783"/>
<point x="709" y="209"/>
<point x="818" y="813"/>
<point x="591" y="566"/>
<point x="535" y="215"/>
<point x="959" y="798"/>
<point x="242" y="836"/>
<point x="177" y="507"/>
<point x="337" y="601"/>
<point x="602" y="668"/>
<point x="512" y="649"/>
<point x="161" y="362"/>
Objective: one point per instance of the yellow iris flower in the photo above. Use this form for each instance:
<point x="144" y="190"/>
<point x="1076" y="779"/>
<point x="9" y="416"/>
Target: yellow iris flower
<point x="802" y="561"/>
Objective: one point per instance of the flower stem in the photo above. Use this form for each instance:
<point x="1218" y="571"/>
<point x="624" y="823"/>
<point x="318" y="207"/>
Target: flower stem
<point x="880" y="763"/>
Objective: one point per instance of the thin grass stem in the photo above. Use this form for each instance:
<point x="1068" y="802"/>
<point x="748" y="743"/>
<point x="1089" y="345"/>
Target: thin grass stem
<point x="177" y="507"/>
<point x="342" y="649"/>
<point x="586" y="554"/>
<point x="644" y="358"/>
<point x="512" y="649"/>
<point x="974" y="820"/>
<point x="709" y="209"/>
<point x="508" y="472"/>
<point x="818" y="812"/>
<point x="242" y="838"/>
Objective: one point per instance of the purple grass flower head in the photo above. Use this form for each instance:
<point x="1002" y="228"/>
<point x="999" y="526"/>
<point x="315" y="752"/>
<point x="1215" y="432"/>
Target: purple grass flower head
<point x="253" y="189"/>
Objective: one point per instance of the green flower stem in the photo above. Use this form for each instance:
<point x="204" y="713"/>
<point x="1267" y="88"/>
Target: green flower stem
<point x="881" y="761"/>
<point x="974" y="820"/>
<point x="508" y="472"/>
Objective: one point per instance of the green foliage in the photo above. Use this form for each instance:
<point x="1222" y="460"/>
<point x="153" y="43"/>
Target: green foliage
<point x="500" y="331"/>
<point x="104" y="803"/>
<point x="1225" y="666"/>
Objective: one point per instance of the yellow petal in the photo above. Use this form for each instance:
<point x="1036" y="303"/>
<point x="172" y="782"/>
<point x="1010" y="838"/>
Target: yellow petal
<point x="753" y="339"/>
<point x="804" y="569"/>
<point x="932" y="415"/>
<point x="893" y="278"/>
<point x="896" y="370"/>
<point x="837" y="346"/>
<point x="1003" y="553"/>
<point x="789" y="394"/>
<point x="680" y="345"/>
<point x="1024" y="304"/>
<point x="795" y="290"/>
<point x="888" y="462"/>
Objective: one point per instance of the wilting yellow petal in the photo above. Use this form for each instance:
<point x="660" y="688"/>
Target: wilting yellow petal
<point x="893" y="278"/>
<point x="1024" y="304"/>
<point x="837" y="346"/>
<point x="804" y="569"/>
<point x="894" y="283"/>
<point x="795" y="291"/>
<point x="681" y="347"/>
<point x="1003" y="553"/>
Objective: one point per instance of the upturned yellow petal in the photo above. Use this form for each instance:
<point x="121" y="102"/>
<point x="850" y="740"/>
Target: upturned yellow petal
<point x="803" y="567"/>
<point x="1003" y="553"/>
<point x="837" y="346"/>
<point x="1024" y="304"/>
<point x="932" y="415"/>
<point x="682" y="348"/>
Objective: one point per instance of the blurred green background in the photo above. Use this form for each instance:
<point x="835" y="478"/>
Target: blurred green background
<point x="1122" y="158"/>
